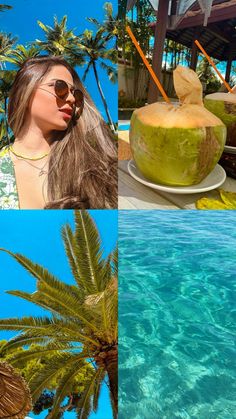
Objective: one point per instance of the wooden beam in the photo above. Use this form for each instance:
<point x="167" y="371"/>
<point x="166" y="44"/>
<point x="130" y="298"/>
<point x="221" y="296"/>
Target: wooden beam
<point x="219" y="12"/>
<point x="160" y="34"/>
<point x="218" y="34"/>
<point x="229" y="63"/>
<point x="194" y="54"/>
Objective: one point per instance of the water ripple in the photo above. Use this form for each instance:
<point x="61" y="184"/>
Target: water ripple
<point x="177" y="314"/>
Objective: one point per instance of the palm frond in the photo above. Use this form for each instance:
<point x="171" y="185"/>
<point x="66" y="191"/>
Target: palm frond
<point x="86" y="71"/>
<point x="18" y="358"/>
<point x="39" y="381"/>
<point x="65" y="385"/>
<point x="88" y="250"/>
<point x="97" y="387"/>
<point x="111" y="72"/>
<point x="115" y="261"/>
<point x="45" y="28"/>
<point x="85" y="403"/>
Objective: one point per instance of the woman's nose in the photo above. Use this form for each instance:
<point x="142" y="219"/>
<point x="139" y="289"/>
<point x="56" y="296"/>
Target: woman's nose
<point x="70" y="98"/>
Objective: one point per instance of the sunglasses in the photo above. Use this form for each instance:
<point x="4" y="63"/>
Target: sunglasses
<point x="62" y="90"/>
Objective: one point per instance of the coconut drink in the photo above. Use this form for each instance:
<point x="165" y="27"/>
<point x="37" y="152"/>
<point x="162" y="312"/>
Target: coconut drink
<point x="177" y="145"/>
<point x="223" y="105"/>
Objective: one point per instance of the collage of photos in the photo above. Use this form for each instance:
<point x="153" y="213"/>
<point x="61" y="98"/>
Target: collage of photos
<point x="115" y="115"/>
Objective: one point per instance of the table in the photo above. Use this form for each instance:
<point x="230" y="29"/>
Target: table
<point x="134" y="195"/>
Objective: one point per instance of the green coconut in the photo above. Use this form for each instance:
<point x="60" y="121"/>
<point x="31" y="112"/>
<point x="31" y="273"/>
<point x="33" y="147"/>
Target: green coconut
<point x="223" y="105"/>
<point x="177" y="144"/>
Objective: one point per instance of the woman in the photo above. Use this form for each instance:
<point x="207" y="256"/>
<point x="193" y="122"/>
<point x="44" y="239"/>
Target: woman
<point x="63" y="154"/>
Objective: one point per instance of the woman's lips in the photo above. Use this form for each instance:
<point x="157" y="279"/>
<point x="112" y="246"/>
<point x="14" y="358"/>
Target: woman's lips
<point x="66" y="114"/>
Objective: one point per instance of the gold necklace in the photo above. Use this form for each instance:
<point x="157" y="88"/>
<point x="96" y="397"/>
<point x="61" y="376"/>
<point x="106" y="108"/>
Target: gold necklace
<point x="42" y="170"/>
<point x="27" y="158"/>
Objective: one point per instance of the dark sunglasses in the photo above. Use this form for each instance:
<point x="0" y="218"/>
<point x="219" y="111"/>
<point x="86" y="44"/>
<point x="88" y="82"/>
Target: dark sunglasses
<point x="62" y="90"/>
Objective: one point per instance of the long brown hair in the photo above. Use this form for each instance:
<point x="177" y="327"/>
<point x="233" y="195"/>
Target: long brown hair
<point x="83" y="160"/>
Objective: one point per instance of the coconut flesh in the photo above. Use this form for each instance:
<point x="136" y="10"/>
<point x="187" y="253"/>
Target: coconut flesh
<point x="177" y="145"/>
<point x="223" y="105"/>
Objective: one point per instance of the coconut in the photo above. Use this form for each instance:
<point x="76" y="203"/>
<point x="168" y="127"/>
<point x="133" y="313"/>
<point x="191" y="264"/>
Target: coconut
<point x="177" y="145"/>
<point x="223" y="105"/>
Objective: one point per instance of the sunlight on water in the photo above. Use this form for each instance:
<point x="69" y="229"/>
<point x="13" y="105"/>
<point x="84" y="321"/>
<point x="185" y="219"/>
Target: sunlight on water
<point x="177" y="314"/>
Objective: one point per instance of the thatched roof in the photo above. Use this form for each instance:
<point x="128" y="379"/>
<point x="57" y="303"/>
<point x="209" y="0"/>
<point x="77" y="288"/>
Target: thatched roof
<point x="15" y="399"/>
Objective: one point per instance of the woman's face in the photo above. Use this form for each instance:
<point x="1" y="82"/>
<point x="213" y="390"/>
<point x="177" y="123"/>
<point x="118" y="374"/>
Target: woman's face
<point x="46" y="110"/>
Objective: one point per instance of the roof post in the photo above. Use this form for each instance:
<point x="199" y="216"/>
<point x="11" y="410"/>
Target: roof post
<point x="160" y="34"/>
<point x="229" y="63"/>
<point x="194" y="54"/>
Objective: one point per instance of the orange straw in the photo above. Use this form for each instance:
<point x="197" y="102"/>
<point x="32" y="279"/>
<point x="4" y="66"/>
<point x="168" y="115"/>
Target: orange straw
<point x="214" y="66"/>
<point x="155" y="79"/>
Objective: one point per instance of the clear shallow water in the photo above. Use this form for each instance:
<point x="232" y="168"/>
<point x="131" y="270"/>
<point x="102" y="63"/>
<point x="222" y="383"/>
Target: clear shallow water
<point x="177" y="314"/>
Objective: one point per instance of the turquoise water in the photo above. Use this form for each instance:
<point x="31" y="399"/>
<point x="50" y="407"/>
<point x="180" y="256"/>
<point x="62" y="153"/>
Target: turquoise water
<point x="124" y="127"/>
<point x="177" y="314"/>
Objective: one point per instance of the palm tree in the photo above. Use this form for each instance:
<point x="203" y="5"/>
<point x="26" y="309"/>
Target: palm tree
<point x="6" y="44"/>
<point x="207" y="76"/>
<point x="6" y="79"/>
<point x="95" y="48"/>
<point x="60" y="41"/>
<point x="22" y="53"/>
<point x="82" y="325"/>
<point x="110" y="25"/>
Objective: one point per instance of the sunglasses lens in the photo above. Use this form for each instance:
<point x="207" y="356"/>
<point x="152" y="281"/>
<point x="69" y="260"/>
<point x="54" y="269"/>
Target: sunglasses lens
<point x="61" y="89"/>
<point x="79" y="98"/>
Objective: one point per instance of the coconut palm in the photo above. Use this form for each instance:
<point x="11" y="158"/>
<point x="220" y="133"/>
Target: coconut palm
<point x="6" y="79"/>
<point x="60" y="41"/>
<point x="110" y="24"/>
<point x="21" y="53"/>
<point x="207" y="75"/>
<point x="6" y="46"/>
<point x="82" y="325"/>
<point x="95" y="48"/>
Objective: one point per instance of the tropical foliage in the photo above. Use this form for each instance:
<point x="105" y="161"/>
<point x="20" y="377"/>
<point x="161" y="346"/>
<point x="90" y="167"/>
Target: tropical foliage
<point x="21" y="53"/>
<point x="60" y="41"/>
<point x="6" y="80"/>
<point x="207" y="75"/>
<point x="6" y="46"/>
<point x="81" y="327"/>
<point x="47" y="397"/>
<point x="138" y="19"/>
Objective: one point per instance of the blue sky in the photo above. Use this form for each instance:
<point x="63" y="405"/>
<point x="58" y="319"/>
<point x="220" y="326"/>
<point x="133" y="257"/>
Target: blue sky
<point x="36" y="234"/>
<point x="21" y="21"/>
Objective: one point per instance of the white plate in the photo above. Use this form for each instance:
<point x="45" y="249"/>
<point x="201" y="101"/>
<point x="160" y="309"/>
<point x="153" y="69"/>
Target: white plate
<point x="212" y="181"/>
<point x="230" y="149"/>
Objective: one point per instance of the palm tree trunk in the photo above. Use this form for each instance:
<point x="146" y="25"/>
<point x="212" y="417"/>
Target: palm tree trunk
<point x="112" y="371"/>
<point x="103" y="97"/>
<point x="109" y="361"/>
